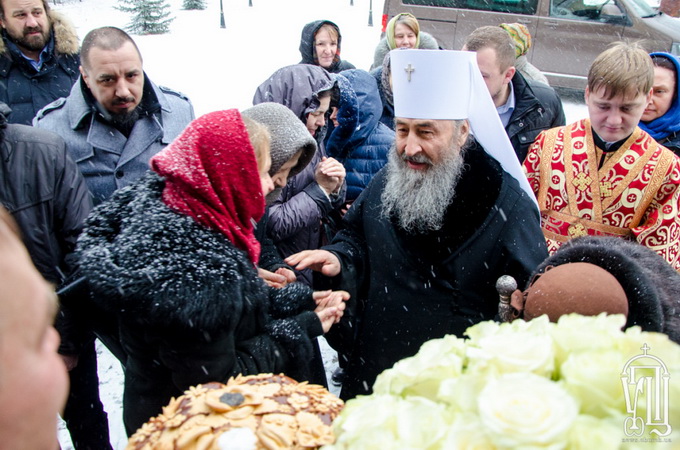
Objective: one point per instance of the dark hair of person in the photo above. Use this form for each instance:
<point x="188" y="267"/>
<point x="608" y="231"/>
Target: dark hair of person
<point x="105" y="38"/>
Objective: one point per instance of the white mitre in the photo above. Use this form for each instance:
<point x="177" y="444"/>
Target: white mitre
<point x="447" y="85"/>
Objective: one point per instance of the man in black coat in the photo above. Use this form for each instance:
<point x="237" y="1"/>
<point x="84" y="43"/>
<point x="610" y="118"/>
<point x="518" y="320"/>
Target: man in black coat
<point x="424" y="244"/>
<point x="39" y="57"/>
<point x="525" y="107"/>
<point x="46" y="194"/>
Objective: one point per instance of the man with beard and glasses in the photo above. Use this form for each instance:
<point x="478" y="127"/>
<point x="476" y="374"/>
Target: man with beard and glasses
<point x="115" y="119"/>
<point x="38" y="57"/>
<point x="425" y="242"/>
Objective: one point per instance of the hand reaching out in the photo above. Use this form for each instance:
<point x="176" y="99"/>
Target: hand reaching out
<point x="318" y="260"/>
<point x="330" y="175"/>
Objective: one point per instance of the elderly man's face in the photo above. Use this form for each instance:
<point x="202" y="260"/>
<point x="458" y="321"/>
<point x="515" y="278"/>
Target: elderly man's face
<point x="423" y="143"/>
<point x="423" y="169"/>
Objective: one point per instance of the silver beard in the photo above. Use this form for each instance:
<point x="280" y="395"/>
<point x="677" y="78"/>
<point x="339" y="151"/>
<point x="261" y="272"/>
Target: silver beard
<point x="418" y="199"/>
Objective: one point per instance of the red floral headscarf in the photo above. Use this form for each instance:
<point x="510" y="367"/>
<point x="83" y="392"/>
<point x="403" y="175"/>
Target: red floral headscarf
<point x="211" y="175"/>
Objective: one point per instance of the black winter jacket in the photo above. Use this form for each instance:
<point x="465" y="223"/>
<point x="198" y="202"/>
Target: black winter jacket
<point x="672" y="142"/>
<point x="191" y="307"/>
<point x="422" y="286"/>
<point x="308" y="52"/>
<point x="44" y="191"/>
<point x="41" y="186"/>
<point x="26" y="90"/>
<point x="537" y="108"/>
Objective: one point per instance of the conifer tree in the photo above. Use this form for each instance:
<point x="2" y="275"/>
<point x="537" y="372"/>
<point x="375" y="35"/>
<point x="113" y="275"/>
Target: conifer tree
<point x="150" y="16"/>
<point x="193" y="4"/>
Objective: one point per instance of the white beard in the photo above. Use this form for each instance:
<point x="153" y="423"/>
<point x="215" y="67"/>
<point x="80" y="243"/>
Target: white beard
<point x="419" y="198"/>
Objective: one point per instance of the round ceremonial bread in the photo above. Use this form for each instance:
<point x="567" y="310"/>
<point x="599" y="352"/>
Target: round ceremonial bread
<point x="249" y="412"/>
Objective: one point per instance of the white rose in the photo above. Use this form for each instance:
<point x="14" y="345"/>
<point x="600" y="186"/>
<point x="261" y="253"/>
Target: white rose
<point x="509" y="348"/>
<point x="421" y="374"/>
<point x="526" y="410"/>
<point x="385" y="422"/>
<point x="594" y="378"/>
<point x="576" y="333"/>
<point x="467" y="433"/>
<point x="589" y="432"/>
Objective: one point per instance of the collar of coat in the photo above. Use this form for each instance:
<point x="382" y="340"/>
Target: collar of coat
<point x="65" y="36"/>
<point x="78" y="108"/>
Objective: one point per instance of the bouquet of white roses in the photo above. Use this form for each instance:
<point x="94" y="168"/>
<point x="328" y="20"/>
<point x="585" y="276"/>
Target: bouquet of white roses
<point x="581" y="383"/>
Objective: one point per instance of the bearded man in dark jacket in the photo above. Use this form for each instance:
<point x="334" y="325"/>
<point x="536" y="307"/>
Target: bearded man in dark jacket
<point x="425" y="242"/>
<point x="39" y="57"/>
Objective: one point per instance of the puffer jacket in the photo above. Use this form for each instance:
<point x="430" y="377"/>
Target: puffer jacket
<point x="537" y="108"/>
<point x="295" y="218"/>
<point x="360" y="142"/>
<point x="41" y="186"/>
<point x="191" y="307"/>
<point x="26" y="90"/>
<point x="44" y="191"/>
<point x="308" y="53"/>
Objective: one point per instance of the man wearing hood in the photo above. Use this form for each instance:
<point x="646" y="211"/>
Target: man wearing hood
<point x="115" y="118"/>
<point x="320" y="46"/>
<point x="38" y="57"/>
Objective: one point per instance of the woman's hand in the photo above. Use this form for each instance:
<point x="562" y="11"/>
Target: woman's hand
<point x="330" y="306"/>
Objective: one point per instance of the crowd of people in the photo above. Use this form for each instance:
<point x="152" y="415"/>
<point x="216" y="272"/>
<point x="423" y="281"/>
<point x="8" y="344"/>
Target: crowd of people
<point x="378" y="208"/>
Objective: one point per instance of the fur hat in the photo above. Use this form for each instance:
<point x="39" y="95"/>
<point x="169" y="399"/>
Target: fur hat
<point x="554" y="292"/>
<point x="288" y="135"/>
<point x="520" y="37"/>
<point x="650" y="284"/>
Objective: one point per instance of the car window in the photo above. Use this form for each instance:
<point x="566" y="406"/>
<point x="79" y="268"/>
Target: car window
<point x="505" y="6"/>
<point x="590" y="10"/>
<point x="642" y="8"/>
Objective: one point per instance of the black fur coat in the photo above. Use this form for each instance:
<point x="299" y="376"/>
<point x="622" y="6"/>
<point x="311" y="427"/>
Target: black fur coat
<point x="190" y="306"/>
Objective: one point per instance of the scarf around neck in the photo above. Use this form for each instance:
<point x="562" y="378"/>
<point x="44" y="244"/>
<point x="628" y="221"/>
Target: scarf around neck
<point x="669" y="123"/>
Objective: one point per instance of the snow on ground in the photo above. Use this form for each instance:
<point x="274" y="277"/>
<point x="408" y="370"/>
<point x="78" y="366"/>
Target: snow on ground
<point x="219" y="69"/>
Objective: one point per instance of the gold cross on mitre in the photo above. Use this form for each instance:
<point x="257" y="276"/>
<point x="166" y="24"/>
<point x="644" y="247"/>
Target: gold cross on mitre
<point x="409" y="70"/>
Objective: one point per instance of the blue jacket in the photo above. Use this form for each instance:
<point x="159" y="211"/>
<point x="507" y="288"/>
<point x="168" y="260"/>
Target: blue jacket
<point x="108" y="159"/>
<point x="360" y="142"/>
<point x="26" y="90"/>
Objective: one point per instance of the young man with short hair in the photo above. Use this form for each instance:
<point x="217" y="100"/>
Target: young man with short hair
<point x="525" y="107"/>
<point x="604" y="175"/>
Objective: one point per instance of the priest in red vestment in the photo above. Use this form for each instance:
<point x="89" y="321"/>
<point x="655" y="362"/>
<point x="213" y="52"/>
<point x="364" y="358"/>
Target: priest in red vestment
<point x="604" y="175"/>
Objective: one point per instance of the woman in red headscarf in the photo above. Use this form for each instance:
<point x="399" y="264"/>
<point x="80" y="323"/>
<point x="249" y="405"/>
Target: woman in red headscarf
<point x="174" y="257"/>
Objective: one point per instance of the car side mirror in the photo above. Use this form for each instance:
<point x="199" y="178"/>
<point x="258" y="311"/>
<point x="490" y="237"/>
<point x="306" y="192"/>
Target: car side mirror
<point x="611" y="13"/>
